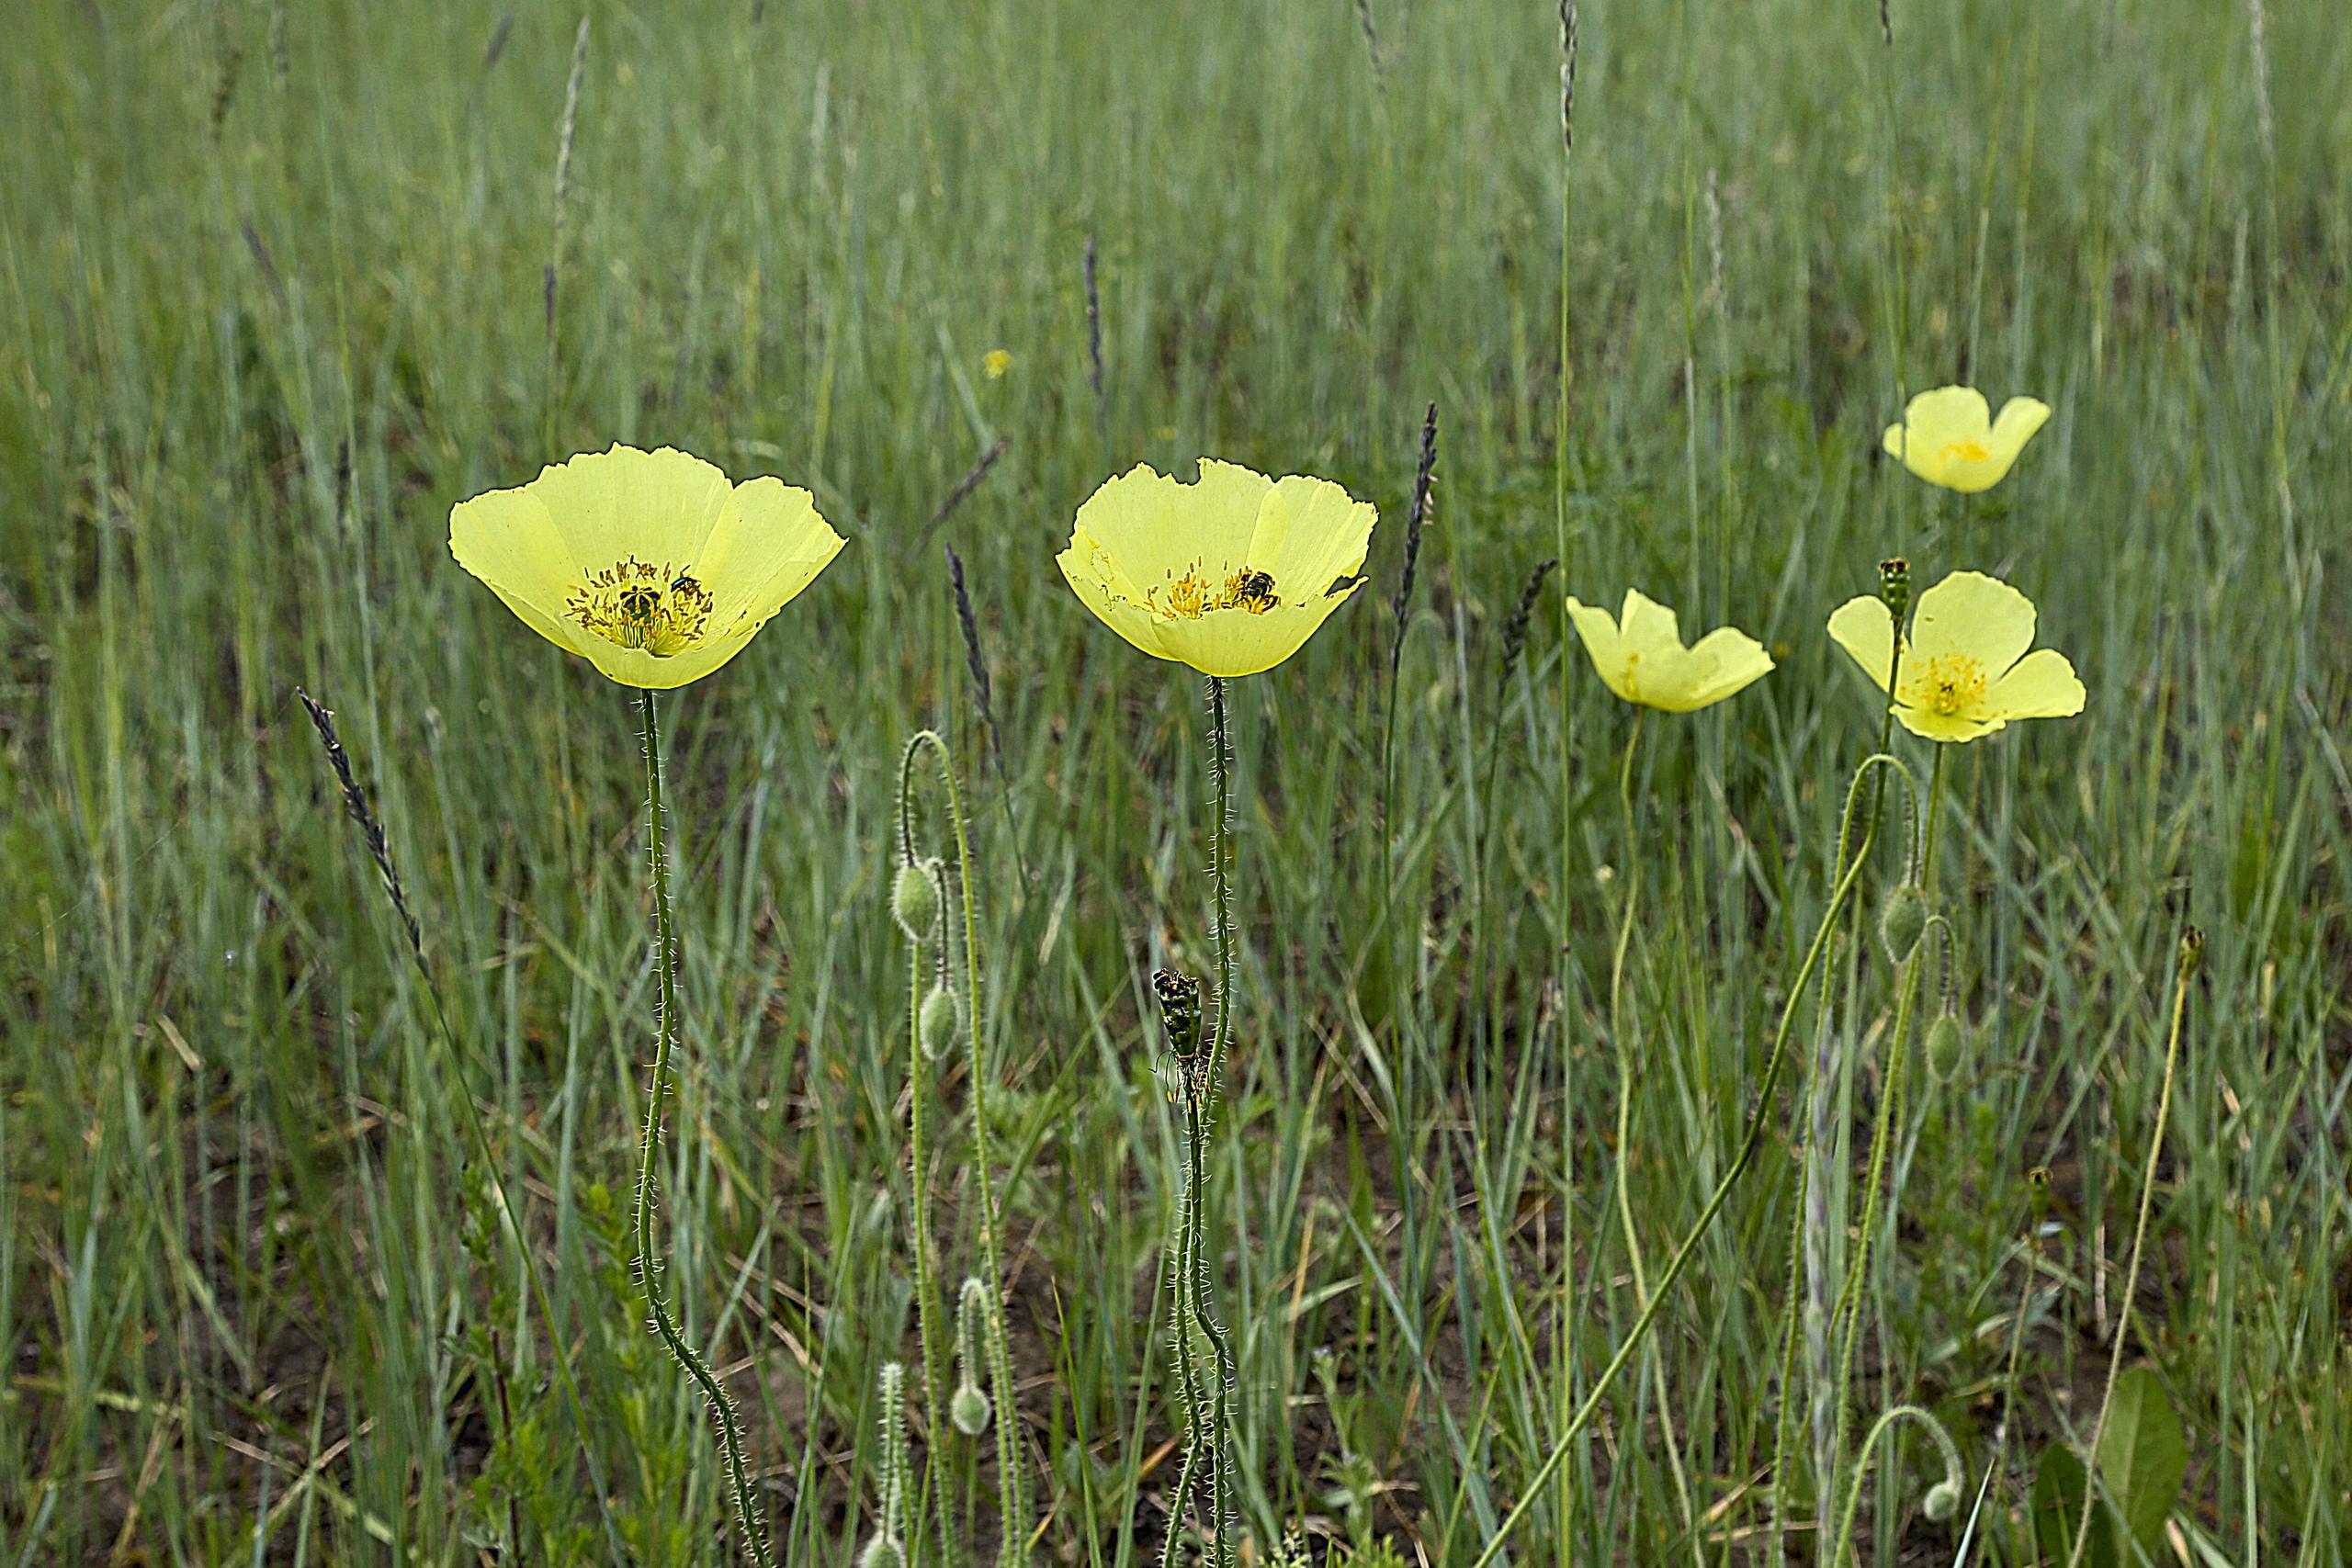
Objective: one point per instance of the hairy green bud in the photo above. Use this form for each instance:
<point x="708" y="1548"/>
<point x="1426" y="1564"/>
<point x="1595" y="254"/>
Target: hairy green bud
<point x="1894" y="586"/>
<point x="940" y="1021"/>
<point x="1943" y="1502"/>
<point x="914" y="899"/>
<point x="2192" y="951"/>
<point x="970" y="1410"/>
<point x="1947" y="1044"/>
<point x="1900" y="920"/>
<point x="883" y="1552"/>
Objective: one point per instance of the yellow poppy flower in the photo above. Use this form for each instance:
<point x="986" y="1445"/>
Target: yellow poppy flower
<point x="1965" y="670"/>
<point x="1229" y="575"/>
<point x="1640" y="655"/>
<point x="650" y="565"/>
<point x="1949" y="437"/>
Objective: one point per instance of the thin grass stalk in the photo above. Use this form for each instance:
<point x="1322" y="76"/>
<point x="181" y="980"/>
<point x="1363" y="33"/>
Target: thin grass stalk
<point x="2192" y="951"/>
<point x="371" y="831"/>
<point x="748" y="1514"/>
<point x="563" y="206"/>
<point x="1565" y="1340"/>
<point x="1750" y="1139"/>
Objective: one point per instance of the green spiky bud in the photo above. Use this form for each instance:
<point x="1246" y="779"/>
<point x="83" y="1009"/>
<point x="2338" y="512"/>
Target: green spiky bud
<point x="940" y="1021"/>
<point x="1947" y="1044"/>
<point x="914" y="899"/>
<point x="1179" y="1012"/>
<point x="1894" y="586"/>
<point x="1900" y="920"/>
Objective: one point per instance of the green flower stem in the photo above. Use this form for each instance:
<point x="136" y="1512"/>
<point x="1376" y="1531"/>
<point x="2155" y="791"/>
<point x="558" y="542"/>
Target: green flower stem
<point x="1012" y="1475"/>
<point x="648" y="1268"/>
<point x="1749" y="1142"/>
<point x="1223" y="1488"/>
<point x="934" y="1382"/>
<point x="1886" y="1424"/>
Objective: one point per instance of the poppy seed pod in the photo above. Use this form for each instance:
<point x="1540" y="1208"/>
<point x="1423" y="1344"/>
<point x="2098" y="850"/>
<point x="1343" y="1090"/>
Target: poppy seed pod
<point x="915" y="900"/>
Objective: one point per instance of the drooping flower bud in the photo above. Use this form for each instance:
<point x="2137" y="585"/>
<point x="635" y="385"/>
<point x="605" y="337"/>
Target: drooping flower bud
<point x="914" y="899"/>
<point x="940" y="1021"/>
<point x="1900" y="920"/>
<point x="1942" y="1501"/>
<point x="1947" y="1044"/>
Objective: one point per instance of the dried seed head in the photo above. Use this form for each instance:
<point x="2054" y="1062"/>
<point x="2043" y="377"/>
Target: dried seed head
<point x="914" y="899"/>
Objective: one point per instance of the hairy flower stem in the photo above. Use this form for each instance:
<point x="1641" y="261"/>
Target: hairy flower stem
<point x="928" y="1332"/>
<point x="1750" y="1140"/>
<point x="648" y="1268"/>
<point x="1225" y="1524"/>
<point x="1013" y="1475"/>
<point x="1822" y="1149"/>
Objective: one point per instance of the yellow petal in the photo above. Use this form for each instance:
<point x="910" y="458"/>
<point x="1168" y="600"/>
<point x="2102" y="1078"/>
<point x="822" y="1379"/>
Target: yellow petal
<point x="1724" y="663"/>
<point x="1309" y="534"/>
<point x="1972" y="616"/>
<point x="1863" y="627"/>
<point x="1242" y="642"/>
<point x="658" y="506"/>
<point x="768" y="545"/>
<point x="1949" y="729"/>
<point x="505" y="537"/>
<point x="1604" y="644"/>
<point x="2040" y="685"/>
<point x="2020" y="417"/>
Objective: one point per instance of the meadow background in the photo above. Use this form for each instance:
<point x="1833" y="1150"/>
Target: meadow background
<point x="274" y="280"/>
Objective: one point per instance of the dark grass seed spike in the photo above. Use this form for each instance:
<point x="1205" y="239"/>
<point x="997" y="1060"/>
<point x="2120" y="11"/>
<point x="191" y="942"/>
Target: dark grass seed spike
<point x="1094" y="353"/>
<point x="1515" y="627"/>
<point x="982" y="694"/>
<point x="371" y="831"/>
<point x="963" y="488"/>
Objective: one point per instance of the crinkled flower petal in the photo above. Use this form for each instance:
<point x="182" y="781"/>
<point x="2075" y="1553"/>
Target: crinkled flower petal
<point x="1640" y="656"/>
<point x="1230" y="574"/>
<point x="1949" y="437"/>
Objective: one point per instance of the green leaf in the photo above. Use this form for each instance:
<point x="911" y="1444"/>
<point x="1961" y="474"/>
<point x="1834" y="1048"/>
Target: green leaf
<point x="2058" y="1509"/>
<point x="2143" y="1456"/>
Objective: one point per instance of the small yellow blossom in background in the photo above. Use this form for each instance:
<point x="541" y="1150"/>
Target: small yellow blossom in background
<point x="1965" y="670"/>
<point x="995" y="363"/>
<point x="1949" y="437"/>
<point x="650" y="565"/>
<point x="1231" y="575"/>
<point x="1640" y="655"/>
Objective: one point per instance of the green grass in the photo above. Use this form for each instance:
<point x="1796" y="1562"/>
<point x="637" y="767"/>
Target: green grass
<point x="248" y="1276"/>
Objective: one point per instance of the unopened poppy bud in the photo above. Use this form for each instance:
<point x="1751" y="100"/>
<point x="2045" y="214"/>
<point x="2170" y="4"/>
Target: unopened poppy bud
<point x="915" y="900"/>
<point x="1900" y="920"/>
<point x="2192" y="951"/>
<point x="1947" y="1042"/>
<point x="940" y="1021"/>
<point x="883" y="1552"/>
<point x="1942" y="1501"/>
<point x="970" y="1410"/>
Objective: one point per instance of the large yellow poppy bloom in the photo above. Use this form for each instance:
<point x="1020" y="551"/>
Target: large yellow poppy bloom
<point x="1231" y="575"/>
<point x="1640" y="656"/>
<point x="1949" y="437"/>
<point x="650" y="565"/>
<point x="1965" y="670"/>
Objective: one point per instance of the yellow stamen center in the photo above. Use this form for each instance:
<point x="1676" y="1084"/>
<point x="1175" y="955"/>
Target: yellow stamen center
<point x="1189" y="597"/>
<point x="1951" y="685"/>
<point x="1965" y="452"/>
<point x="637" y="604"/>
